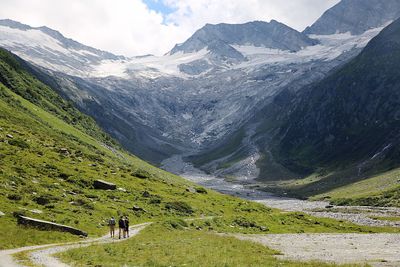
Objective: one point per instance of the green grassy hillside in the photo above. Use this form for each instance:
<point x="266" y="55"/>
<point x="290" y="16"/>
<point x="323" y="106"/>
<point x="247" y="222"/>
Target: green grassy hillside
<point x="50" y="154"/>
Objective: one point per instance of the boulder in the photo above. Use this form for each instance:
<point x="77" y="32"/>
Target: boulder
<point x="191" y="190"/>
<point x="103" y="185"/>
<point x="36" y="211"/>
<point x="50" y="226"/>
<point x="138" y="209"/>
<point x="64" y="151"/>
<point x="146" y="194"/>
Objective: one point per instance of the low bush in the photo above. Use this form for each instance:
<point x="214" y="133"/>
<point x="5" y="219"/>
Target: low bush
<point x="179" y="206"/>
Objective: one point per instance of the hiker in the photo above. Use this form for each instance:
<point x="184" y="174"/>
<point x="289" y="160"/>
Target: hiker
<point x="121" y="226"/>
<point x="111" y="223"/>
<point x="127" y="226"/>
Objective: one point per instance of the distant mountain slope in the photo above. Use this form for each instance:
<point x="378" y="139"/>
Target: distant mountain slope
<point x="272" y="35"/>
<point x="192" y="102"/>
<point x="48" y="165"/>
<point x="355" y="16"/>
<point x="352" y="115"/>
<point x="50" y="47"/>
<point x="16" y="74"/>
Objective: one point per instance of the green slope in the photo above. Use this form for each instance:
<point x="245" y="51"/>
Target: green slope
<point x="50" y="154"/>
<point x="342" y="130"/>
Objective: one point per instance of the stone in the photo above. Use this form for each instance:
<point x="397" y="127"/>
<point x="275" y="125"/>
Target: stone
<point x="2" y="213"/>
<point x="36" y="211"/>
<point x="10" y="136"/>
<point x="103" y="185"/>
<point x="122" y="189"/>
<point x="49" y="226"/>
<point x="139" y="209"/>
<point x="64" y="151"/>
<point x="146" y="194"/>
<point x="191" y="190"/>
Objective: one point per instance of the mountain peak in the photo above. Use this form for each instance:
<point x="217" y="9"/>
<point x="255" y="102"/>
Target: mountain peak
<point x="355" y="16"/>
<point x="274" y="35"/>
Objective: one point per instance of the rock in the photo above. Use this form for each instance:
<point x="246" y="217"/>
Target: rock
<point x="64" y="151"/>
<point x="191" y="190"/>
<point x="10" y="136"/>
<point x="103" y="185"/>
<point x="2" y="213"/>
<point x="139" y="209"/>
<point x="146" y="194"/>
<point x="122" y="189"/>
<point x="201" y="190"/>
<point x="50" y="226"/>
<point x="36" y="211"/>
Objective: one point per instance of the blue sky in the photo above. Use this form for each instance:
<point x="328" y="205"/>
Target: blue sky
<point x="160" y="7"/>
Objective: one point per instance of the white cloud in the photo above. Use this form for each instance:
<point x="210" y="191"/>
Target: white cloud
<point x="129" y="27"/>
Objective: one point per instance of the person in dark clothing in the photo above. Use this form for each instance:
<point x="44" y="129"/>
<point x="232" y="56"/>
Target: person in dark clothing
<point x="121" y="227"/>
<point x="111" y="224"/>
<point x="127" y="226"/>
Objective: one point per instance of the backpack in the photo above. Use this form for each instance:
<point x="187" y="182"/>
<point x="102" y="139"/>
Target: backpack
<point x="112" y="221"/>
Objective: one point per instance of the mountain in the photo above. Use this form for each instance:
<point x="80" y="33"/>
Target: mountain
<point x="274" y="35"/>
<point x="185" y="103"/>
<point x="354" y="111"/>
<point x="192" y="103"/>
<point x="50" y="48"/>
<point x="355" y="16"/>
<point x="331" y="136"/>
<point x="51" y="155"/>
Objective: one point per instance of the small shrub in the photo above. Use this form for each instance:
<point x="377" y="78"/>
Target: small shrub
<point x="176" y="224"/>
<point x="155" y="200"/>
<point x="64" y="176"/>
<point x="243" y="222"/>
<point x="142" y="174"/>
<point x="14" y="197"/>
<point x="179" y="206"/>
<point x="18" y="213"/>
<point x="45" y="199"/>
<point x="201" y="190"/>
<point x="19" y="143"/>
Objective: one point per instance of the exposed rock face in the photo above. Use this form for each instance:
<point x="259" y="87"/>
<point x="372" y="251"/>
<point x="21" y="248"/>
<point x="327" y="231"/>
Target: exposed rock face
<point x="57" y="50"/>
<point x="351" y="116"/>
<point x="355" y="16"/>
<point x="273" y="35"/>
<point x="103" y="185"/>
<point x="45" y="225"/>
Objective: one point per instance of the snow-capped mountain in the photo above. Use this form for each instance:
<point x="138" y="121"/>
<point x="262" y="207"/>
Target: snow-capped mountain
<point x="355" y="16"/>
<point x="219" y="39"/>
<point x="50" y="49"/>
<point x="200" y="94"/>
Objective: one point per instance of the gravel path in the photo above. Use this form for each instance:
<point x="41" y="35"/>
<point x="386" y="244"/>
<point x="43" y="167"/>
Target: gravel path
<point x="374" y="249"/>
<point x="42" y="255"/>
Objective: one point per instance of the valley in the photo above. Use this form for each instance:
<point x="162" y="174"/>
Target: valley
<point x="249" y="144"/>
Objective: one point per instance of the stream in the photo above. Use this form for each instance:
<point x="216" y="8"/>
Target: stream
<point x="356" y="214"/>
